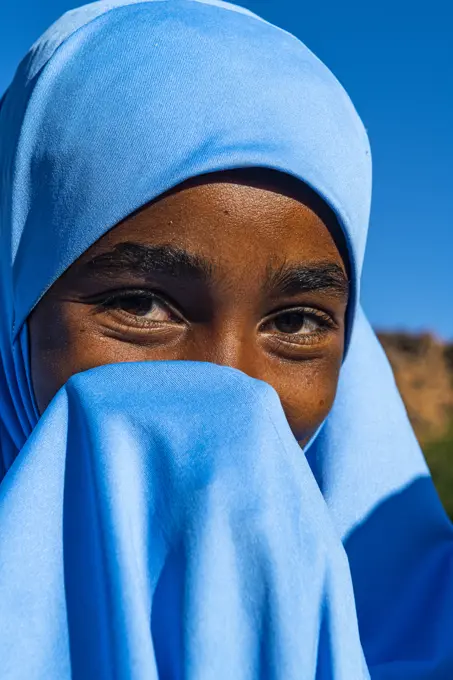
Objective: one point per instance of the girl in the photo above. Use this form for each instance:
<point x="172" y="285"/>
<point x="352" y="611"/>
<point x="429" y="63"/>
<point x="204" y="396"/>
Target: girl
<point x="184" y="206"/>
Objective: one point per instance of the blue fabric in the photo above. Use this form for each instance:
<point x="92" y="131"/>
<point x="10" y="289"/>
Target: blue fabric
<point x="182" y="536"/>
<point x="160" y="520"/>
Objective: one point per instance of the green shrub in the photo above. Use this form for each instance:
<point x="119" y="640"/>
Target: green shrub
<point x="439" y="456"/>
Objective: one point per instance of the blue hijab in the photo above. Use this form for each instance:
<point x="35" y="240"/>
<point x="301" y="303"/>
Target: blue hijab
<point x="159" y="520"/>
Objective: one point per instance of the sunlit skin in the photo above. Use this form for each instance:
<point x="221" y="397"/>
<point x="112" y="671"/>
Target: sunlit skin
<point x="241" y="269"/>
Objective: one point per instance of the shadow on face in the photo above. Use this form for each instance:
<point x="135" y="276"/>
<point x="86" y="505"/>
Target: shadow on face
<point x="244" y="268"/>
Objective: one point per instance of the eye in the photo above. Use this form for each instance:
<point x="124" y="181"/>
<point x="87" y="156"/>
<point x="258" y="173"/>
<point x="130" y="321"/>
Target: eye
<point x="300" y="325"/>
<point x="145" y="306"/>
<point x="296" y="322"/>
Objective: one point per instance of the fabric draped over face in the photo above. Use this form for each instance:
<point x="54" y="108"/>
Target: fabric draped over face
<point x="115" y="104"/>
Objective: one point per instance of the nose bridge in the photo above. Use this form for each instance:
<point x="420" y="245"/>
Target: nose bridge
<point x="230" y="336"/>
<point x="233" y="343"/>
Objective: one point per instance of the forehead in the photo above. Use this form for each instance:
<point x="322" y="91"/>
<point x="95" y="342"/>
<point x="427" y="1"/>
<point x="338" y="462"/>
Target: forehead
<point x="236" y="217"/>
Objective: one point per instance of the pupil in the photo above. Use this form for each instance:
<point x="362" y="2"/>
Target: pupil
<point x="289" y="323"/>
<point x="138" y="306"/>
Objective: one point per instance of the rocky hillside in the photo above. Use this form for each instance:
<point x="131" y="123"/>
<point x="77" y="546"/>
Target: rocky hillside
<point x="423" y="368"/>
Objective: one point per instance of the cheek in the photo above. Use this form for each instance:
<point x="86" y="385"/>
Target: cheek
<point x="47" y="340"/>
<point x="308" y="395"/>
<point x="83" y="349"/>
<point x="63" y="342"/>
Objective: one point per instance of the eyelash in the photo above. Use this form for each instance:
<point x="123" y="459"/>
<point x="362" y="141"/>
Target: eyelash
<point x="324" y="320"/>
<point x="113" y="299"/>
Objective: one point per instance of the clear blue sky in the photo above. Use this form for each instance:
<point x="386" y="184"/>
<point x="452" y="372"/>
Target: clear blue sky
<point x="396" y="61"/>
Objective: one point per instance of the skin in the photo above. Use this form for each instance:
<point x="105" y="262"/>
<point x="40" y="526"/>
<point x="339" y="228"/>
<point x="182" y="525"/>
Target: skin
<point x="127" y="299"/>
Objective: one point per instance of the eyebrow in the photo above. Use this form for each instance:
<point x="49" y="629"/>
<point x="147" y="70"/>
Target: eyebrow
<point x="294" y="279"/>
<point x="146" y="261"/>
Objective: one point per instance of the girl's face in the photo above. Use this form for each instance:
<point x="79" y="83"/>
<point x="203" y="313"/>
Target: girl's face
<point x="234" y="272"/>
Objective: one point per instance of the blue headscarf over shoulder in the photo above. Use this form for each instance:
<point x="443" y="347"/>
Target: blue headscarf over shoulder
<point x="141" y="534"/>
